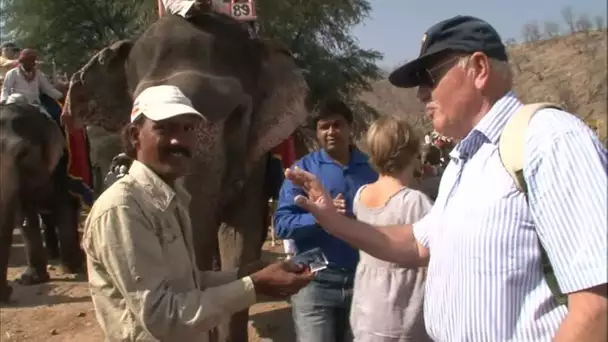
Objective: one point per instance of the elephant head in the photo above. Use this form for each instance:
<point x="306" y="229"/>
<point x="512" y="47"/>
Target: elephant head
<point x="250" y="91"/>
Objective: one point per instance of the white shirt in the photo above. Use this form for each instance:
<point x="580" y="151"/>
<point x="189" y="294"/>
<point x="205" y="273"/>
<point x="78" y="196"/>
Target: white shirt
<point x="178" y="7"/>
<point x="15" y="83"/>
<point x="485" y="281"/>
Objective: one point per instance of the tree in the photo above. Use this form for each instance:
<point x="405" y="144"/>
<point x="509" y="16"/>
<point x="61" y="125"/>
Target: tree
<point x="316" y="31"/>
<point x="599" y="22"/>
<point x="568" y="15"/>
<point x="551" y="29"/>
<point x="583" y="24"/>
<point x="531" y="32"/>
<point x="69" y="31"/>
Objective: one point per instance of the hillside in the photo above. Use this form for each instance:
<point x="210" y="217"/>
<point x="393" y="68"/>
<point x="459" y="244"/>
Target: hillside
<point x="570" y="70"/>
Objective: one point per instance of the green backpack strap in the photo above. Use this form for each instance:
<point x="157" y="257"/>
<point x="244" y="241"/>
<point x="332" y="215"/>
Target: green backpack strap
<point x="511" y="149"/>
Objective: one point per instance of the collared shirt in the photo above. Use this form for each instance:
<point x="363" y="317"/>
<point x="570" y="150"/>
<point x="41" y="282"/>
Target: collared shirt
<point x="15" y="83"/>
<point x="292" y="222"/>
<point x="485" y="281"/>
<point x="144" y="283"/>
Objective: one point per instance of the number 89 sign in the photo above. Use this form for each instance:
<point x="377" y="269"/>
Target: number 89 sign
<point x="244" y="11"/>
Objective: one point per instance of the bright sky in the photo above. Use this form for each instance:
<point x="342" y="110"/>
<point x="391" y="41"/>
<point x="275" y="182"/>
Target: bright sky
<point x="395" y="27"/>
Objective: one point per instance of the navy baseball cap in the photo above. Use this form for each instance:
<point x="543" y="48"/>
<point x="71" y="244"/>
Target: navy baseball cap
<point x="458" y="34"/>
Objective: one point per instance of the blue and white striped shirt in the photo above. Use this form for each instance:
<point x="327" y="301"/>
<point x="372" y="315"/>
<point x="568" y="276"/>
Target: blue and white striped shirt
<point x="485" y="281"/>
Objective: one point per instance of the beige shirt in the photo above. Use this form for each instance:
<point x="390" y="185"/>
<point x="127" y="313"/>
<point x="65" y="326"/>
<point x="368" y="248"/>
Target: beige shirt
<point x="6" y="65"/>
<point x="143" y="279"/>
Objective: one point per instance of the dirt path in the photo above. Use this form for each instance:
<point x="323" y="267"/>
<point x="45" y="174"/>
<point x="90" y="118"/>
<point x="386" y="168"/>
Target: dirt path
<point x="62" y="311"/>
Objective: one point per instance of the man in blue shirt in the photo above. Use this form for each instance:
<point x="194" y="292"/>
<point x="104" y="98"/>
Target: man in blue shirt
<point x="321" y="309"/>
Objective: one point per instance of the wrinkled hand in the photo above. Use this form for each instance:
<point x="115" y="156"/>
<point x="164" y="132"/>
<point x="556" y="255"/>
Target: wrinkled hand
<point x="340" y="204"/>
<point x="318" y="202"/>
<point x="281" y="279"/>
<point x="251" y="268"/>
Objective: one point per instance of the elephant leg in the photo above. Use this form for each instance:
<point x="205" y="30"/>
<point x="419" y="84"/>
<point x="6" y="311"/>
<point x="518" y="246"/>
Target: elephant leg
<point x="10" y="216"/>
<point x="51" y="241"/>
<point x="71" y="255"/>
<point x="7" y="226"/>
<point x="36" y="272"/>
<point x="241" y="237"/>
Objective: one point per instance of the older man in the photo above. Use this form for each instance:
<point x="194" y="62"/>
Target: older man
<point x="27" y="80"/>
<point x="485" y="280"/>
<point x="138" y="238"/>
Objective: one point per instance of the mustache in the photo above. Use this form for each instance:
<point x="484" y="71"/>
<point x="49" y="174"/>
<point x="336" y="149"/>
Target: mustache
<point x="178" y="149"/>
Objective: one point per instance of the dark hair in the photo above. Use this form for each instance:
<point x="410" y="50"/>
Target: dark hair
<point x="125" y="137"/>
<point x="432" y="154"/>
<point x="332" y="108"/>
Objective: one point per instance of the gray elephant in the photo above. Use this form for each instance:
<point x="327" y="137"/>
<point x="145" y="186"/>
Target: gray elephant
<point x="31" y="147"/>
<point x="253" y="97"/>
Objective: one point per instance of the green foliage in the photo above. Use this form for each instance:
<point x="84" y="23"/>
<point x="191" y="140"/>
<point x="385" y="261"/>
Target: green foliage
<point x="316" y="31"/>
<point x="70" y="31"/>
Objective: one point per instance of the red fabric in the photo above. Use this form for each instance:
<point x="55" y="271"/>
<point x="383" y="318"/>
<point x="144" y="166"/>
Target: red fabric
<point x="286" y="151"/>
<point x="78" y="159"/>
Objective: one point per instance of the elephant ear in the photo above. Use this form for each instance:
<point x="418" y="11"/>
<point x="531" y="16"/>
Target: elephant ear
<point x="282" y="108"/>
<point x="98" y="92"/>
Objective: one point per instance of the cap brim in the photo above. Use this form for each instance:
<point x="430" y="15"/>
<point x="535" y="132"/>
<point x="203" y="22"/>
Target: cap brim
<point x="408" y="75"/>
<point x="163" y="112"/>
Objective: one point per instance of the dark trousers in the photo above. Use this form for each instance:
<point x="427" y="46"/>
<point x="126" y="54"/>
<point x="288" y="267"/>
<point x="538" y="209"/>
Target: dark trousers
<point x="321" y="310"/>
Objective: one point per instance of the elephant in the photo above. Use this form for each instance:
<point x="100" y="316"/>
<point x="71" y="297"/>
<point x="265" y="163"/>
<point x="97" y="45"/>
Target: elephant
<point x="252" y="95"/>
<point x="31" y="148"/>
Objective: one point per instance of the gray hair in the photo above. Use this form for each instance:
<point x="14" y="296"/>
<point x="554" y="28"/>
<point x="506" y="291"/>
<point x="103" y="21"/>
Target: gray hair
<point x="502" y="68"/>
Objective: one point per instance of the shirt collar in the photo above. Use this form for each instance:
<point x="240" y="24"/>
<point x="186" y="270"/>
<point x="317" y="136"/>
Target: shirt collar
<point x="356" y="157"/>
<point x="489" y="128"/>
<point x="160" y="193"/>
<point x="492" y="124"/>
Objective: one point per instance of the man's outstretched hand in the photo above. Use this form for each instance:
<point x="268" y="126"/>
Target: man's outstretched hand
<point x="251" y="268"/>
<point x="281" y="279"/>
<point x="317" y="201"/>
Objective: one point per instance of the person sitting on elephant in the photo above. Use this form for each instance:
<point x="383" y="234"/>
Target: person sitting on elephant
<point x="8" y="58"/>
<point x="321" y="310"/>
<point x="144" y="282"/>
<point x="192" y="8"/>
<point x="27" y="80"/>
<point x="187" y="8"/>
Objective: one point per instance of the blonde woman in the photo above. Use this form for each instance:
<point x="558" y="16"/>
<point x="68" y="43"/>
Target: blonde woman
<point x="388" y="299"/>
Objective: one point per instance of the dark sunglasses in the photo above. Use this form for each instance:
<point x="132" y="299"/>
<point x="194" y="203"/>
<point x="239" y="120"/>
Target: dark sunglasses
<point x="430" y="77"/>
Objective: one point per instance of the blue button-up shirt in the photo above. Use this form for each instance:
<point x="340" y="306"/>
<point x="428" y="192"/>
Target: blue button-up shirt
<point x="293" y="222"/>
<point x="485" y="281"/>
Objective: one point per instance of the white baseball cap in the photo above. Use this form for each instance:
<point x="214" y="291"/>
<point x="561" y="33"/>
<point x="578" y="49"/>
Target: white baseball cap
<point x="162" y="102"/>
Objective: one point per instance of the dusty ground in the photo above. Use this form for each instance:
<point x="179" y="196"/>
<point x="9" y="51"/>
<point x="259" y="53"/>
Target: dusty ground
<point x="62" y="311"/>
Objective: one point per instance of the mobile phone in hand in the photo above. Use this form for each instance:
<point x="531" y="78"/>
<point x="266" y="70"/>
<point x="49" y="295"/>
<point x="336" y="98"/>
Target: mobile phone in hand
<point x="313" y="258"/>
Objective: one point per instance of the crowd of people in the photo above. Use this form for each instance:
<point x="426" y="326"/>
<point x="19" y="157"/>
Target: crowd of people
<point x="426" y="238"/>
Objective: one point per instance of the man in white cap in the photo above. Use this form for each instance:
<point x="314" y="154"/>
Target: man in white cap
<point x="144" y="283"/>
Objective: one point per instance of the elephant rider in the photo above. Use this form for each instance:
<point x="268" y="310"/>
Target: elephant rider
<point x="27" y="80"/>
<point x="190" y="8"/>
<point x="138" y="238"/>
<point x="8" y="58"/>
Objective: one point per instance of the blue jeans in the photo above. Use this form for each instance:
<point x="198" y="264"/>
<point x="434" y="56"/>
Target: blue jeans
<point x="321" y="310"/>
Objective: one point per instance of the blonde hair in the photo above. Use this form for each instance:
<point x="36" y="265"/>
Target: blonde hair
<point x="391" y="144"/>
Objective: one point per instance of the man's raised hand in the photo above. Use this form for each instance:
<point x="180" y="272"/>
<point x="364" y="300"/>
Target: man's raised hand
<point x="317" y="201"/>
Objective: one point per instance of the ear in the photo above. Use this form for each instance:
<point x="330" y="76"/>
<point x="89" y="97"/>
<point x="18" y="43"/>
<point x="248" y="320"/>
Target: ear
<point x="283" y="106"/>
<point x="115" y="53"/>
<point x="98" y="92"/>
